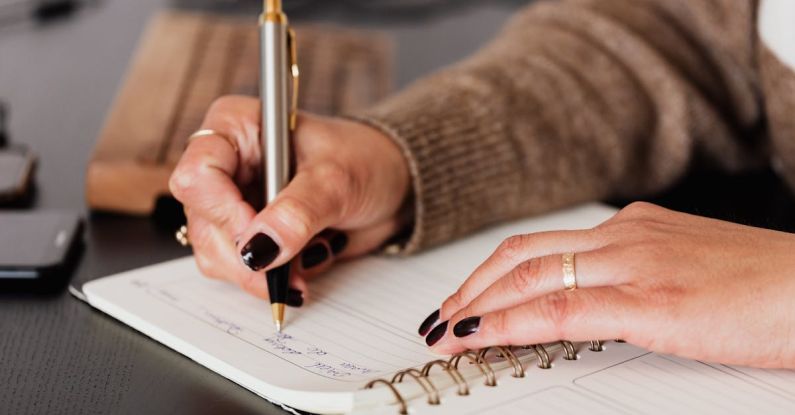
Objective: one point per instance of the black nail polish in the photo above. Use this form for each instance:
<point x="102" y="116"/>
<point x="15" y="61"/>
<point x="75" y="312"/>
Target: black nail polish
<point x="314" y="256"/>
<point x="427" y="325"/>
<point x="338" y="242"/>
<point x="259" y="252"/>
<point x="466" y="327"/>
<point x="436" y="334"/>
<point x="295" y="298"/>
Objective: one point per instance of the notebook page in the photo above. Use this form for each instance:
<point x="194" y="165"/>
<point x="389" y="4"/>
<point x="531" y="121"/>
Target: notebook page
<point x="359" y="324"/>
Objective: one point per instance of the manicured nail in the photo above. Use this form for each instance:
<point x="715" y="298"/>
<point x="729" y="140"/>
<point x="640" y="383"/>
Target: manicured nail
<point x="259" y="252"/>
<point x="466" y="327"/>
<point x="436" y="334"/>
<point x="314" y="256"/>
<point x="295" y="298"/>
<point x="338" y="242"/>
<point x="427" y="325"/>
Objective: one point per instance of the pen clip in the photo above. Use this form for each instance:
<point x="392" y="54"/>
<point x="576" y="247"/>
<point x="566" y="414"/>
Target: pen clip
<point x="296" y="75"/>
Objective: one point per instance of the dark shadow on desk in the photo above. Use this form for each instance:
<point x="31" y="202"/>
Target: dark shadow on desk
<point x="120" y="243"/>
<point x="759" y="198"/>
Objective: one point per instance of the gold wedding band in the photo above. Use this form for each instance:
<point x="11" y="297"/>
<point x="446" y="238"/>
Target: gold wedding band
<point x="569" y="273"/>
<point x="213" y="133"/>
<point x="182" y="236"/>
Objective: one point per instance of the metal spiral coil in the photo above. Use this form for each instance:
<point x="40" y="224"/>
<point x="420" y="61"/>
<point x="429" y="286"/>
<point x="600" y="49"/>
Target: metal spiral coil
<point x="483" y="365"/>
<point x="404" y="409"/>
<point x="463" y="387"/>
<point x="596" y="346"/>
<point x="569" y="350"/>
<point x="506" y="353"/>
<point x="478" y="358"/>
<point x="544" y="362"/>
<point x="430" y="389"/>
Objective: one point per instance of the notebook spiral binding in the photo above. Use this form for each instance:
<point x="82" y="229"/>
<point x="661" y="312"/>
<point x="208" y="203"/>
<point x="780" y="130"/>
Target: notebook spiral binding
<point x="478" y="358"/>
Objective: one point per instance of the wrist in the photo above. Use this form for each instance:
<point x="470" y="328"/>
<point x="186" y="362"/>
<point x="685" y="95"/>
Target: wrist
<point x="393" y="163"/>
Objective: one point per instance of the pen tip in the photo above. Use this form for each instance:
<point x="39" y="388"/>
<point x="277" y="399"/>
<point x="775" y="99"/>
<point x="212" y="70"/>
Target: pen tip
<point x="278" y="326"/>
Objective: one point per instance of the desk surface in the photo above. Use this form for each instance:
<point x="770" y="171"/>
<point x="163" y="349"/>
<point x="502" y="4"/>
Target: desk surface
<point x="59" y="356"/>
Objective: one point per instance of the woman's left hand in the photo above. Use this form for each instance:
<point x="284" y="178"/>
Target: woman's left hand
<point x="665" y="281"/>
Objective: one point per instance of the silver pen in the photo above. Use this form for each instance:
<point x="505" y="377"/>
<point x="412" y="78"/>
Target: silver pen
<point x="279" y="111"/>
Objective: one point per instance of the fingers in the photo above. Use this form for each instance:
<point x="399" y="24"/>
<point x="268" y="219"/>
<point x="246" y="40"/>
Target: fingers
<point x="512" y="252"/>
<point x="203" y="179"/>
<point x="214" y="254"/>
<point x="318" y="256"/>
<point x="314" y="200"/>
<point x="215" y="257"/>
<point x="238" y="117"/>
<point x="202" y="182"/>
<point x="333" y="245"/>
<point x="538" y="277"/>
<point x="579" y="315"/>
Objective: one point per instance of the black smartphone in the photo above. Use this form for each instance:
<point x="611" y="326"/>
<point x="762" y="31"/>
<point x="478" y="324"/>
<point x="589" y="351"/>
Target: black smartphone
<point x="38" y="249"/>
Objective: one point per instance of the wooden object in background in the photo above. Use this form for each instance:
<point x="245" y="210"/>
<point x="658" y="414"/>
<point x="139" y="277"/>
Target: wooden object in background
<point x="187" y="60"/>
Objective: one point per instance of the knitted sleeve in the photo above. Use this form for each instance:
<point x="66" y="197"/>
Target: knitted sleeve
<point x="575" y="101"/>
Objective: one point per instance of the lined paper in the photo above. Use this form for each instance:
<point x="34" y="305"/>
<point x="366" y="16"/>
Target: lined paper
<point x="657" y="383"/>
<point x="336" y="339"/>
<point x="558" y="400"/>
<point x="782" y="381"/>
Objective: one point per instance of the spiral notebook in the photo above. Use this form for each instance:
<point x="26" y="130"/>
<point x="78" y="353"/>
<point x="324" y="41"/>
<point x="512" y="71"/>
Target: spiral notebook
<point x="353" y="348"/>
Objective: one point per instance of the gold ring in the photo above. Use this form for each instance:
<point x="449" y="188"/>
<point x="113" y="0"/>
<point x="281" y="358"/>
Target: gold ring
<point x="213" y="133"/>
<point x="182" y="236"/>
<point x="569" y="273"/>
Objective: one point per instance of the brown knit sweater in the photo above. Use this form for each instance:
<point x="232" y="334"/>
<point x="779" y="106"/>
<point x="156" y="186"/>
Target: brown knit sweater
<point x="579" y="100"/>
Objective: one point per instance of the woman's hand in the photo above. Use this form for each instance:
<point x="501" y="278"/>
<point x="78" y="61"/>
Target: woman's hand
<point x="665" y="281"/>
<point x="349" y="177"/>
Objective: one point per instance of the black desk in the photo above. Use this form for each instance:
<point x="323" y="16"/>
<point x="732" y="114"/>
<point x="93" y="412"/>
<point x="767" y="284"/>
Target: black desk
<point x="59" y="356"/>
<point x="56" y="354"/>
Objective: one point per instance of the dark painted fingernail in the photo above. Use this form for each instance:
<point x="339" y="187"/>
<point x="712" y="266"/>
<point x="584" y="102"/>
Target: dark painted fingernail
<point x="466" y="327"/>
<point x="259" y="252"/>
<point x="338" y="242"/>
<point x="314" y="256"/>
<point x="436" y="334"/>
<point x="295" y="298"/>
<point x="427" y="325"/>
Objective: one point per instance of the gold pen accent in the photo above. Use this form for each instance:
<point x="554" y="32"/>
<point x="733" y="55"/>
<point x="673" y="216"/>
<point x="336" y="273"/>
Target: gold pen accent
<point x="296" y="74"/>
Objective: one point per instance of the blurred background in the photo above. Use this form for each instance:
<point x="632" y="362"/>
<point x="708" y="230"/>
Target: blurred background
<point x="68" y="67"/>
<point x="62" y="62"/>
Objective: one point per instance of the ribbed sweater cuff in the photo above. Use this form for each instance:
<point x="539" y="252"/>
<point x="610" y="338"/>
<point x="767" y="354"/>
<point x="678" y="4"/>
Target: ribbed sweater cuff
<point x="465" y="172"/>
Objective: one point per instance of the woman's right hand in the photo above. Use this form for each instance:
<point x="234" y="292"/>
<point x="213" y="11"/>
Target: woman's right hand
<point x="349" y="177"/>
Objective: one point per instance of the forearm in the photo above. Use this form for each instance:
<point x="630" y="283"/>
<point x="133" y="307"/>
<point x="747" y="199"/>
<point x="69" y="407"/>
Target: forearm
<point x="573" y="102"/>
